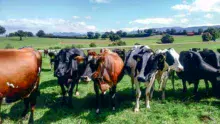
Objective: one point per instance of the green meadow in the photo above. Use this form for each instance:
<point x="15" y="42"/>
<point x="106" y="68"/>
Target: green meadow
<point x="178" y="107"/>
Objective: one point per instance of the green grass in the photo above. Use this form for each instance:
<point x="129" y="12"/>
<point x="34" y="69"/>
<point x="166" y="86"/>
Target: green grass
<point x="177" y="108"/>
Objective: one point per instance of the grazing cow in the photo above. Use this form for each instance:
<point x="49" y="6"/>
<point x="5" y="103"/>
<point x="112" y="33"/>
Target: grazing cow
<point x="107" y="71"/>
<point x="52" y="56"/>
<point x="23" y="81"/>
<point x="195" y="68"/>
<point x="171" y="64"/>
<point x="68" y="71"/>
<point x="46" y="52"/>
<point x="142" y="65"/>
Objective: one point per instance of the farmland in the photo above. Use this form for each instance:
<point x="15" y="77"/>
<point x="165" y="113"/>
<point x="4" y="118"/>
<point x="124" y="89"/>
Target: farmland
<point x="177" y="108"/>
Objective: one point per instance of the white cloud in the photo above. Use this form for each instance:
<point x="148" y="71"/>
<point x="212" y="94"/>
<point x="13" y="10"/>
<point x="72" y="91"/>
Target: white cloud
<point x="100" y="1"/>
<point x="48" y="25"/>
<point x="164" y="21"/>
<point x="209" y="16"/>
<point x="181" y="7"/>
<point x="184" y="20"/>
<point x="88" y="17"/>
<point x="76" y="17"/>
<point x="199" y="5"/>
<point x="133" y="29"/>
<point x="180" y="15"/>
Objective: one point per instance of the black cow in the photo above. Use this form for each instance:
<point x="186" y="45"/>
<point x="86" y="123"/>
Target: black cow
<point x="68" y="71"/>
<point x="121" y="53"/>
<point x="195" y="68"/>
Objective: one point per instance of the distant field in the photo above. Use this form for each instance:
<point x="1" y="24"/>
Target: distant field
<point x="178" y="108"/>
<point x="180" y="43"/>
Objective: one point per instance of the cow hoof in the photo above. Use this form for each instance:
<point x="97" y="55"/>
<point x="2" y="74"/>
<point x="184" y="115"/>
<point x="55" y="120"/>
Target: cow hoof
<point x="136" y="110"/>
<point x="97" y="111"/>
<point x="77" y="93"/>
<point x="24" y="117"/>
<point x="113" y="108"/>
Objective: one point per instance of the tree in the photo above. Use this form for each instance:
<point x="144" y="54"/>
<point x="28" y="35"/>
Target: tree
<point x="30" y="34"/>
<point x="104" y="36"/>
<point x="214" y="32"/>
<point x="173" y="31"/>
<point x="2" y="30"/>
<point x="40" y="33"/>
<point x="20" y="33"/>
<point x="119" y="33"/>
<point x="200" y="30"/>
<point x="167" y="39"/>
<point x="184" y="32"/>
<point x="124" y="34"/>
<point x="206" y="36"/>
<point x="114" y="37"/>
<point x="168" y="31"/>
<point x="97" y="35"/>
<point x="90" y="35"/>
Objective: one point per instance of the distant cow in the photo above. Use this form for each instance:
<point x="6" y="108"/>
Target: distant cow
<point x="68" y="71"/>
<point x="20" y="80"/>
<point x="46" y="52"/>
<point x="107" y="69"/>
<point x="195" y="68"/>
<point x="171" y="64"/>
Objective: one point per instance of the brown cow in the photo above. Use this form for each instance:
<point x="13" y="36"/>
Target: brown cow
<point x="108" y="71"/>
<point x="19" y="77"/>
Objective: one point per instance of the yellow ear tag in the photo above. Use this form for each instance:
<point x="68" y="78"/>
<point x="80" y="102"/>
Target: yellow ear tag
<point x="138" y="59"/>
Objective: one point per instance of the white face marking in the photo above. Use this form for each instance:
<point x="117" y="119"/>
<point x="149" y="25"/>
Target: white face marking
<point x="177" y="65"/>
<point x="90" y="58"/>
<point x="10" y="85"/>
<point x="97" y="110"/>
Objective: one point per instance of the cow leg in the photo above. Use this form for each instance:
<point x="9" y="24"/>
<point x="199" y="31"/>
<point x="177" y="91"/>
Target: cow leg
<point x="207" y="86"/>
<point x="63" y="93"/>
<point x="164" y="81"/>
<point x="132" y="84"/>
<point x="184" y="85"/>
<point x="196" y="83"/>
<point x="77" y="92"/>
<point x="138" y="95"/>
<point x="70" y="93"/>
<point x="113" y="99"/>
<point x="172" y="78"/>
<point x="96" y="88"/>
<point x="148" y="89"/>
<point x="26" y="108"/>
<point x="152" y="91"/>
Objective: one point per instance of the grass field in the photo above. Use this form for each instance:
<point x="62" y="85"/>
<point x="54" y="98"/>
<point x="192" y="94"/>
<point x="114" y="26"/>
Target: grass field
<point x="177" y="108"/>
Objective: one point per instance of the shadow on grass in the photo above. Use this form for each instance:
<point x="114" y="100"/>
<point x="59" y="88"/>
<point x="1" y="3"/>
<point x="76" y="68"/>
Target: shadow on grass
<point x="46" y="70"/>
<point x="85" y="107"/>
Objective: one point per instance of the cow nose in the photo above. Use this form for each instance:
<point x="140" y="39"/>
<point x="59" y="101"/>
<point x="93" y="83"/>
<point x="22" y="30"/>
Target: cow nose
<point x="141" y="79"/>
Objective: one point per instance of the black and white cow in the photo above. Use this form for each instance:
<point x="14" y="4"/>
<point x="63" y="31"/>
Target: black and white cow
<point x="171" y="64"/>
<point x="68" y="71"/>
<point x="195" y="68"/>
<point x="142" y="65"/>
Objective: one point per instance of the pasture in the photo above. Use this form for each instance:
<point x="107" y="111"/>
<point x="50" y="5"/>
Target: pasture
<point x="177" y="108"/>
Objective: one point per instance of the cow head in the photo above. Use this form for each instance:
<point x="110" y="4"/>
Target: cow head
<point x="172" y="59"/>
<point x="147" y="65"/>
<point x="91" y="65"/>
<point x="120" y="53"/>
<point x="65" y="64"/>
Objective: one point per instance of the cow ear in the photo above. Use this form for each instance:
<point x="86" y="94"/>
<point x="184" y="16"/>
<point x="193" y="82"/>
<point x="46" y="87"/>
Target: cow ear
<point x="137" y="57"/>
<point x="79" y="59"/>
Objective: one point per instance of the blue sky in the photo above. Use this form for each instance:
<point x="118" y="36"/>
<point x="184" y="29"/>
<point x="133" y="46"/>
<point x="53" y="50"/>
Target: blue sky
<point x="105" y="15"/>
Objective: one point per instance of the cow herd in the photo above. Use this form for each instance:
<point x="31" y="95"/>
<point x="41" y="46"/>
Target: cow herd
<point x="106" y="69"/>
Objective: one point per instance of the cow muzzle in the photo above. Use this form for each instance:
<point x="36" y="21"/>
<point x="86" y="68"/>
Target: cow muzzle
<point x="141" y="79"/>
